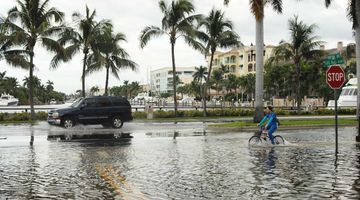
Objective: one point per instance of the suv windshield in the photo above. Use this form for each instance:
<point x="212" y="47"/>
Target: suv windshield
<point x="76" y="103"/>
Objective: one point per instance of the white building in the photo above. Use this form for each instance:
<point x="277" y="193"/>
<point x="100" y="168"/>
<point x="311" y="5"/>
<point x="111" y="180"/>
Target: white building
<point x="161" y="80"/>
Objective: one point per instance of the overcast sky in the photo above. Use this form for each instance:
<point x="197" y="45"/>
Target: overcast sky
<point x="130" y="17"/>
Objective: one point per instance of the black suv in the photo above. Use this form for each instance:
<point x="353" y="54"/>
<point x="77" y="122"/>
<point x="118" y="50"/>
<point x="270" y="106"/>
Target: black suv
<point x="108" y="111"/>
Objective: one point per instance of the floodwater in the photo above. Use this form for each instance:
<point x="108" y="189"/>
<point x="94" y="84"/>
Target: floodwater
<point x="197" y="164"/>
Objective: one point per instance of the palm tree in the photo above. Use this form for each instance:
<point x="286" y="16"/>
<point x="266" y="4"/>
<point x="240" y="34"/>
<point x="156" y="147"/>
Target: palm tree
<point x="110" y="55"/>
<point x="176" y="22"/>
<point x="84" y="39"/>
<point x="301" y="46"/>
<point x="257" y="8"/>
<point x="217" y="33"/>
<point x="29" y="23"/>
<point x="217" y="78"/>
<point x="134" y="88"/>
<point x="49" y="86"/>
<point x="94" y="89"/>
<point x="200" y="74"/>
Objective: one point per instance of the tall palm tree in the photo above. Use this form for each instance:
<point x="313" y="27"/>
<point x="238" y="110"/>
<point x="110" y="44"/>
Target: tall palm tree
<point x="110" y="55"/>
<point x="176" y="22"/>
<point x="217" y="33"/>
<point x="29" y="23"/>
<point x="82" y="39"/>
<point x="301" y="46"/>
<point x="257" y="9"/>
<point x="354" y="16"/>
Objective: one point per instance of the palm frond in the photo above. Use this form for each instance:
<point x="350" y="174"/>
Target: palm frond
<point x="148" y="33"/>
<point x="257" y="8"/>
<point x="277" y="5"/>
<point x="351" y="10"/>
<point x="327" y="3"/>
<point x="195" y="44"/>
<point x="17" y="58"/>
<point x="122" y="63"/>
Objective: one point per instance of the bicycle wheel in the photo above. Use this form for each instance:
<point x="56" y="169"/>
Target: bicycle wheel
<point x="254" y="140"/>
<point x="279" y="140"/>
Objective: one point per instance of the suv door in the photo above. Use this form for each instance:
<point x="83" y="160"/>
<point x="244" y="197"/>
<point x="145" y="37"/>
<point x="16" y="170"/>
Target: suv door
<point x="104" y="109"/>
<point x="88" y="112"/>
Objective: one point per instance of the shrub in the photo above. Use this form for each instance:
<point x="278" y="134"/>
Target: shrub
<point x="193" y="113"/>
<point x="23" y="116"/>
<point x="139" y="115"/>
<point x="41" y="115"/>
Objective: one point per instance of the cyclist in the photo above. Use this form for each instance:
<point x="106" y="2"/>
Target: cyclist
<point x="272" y="124"/>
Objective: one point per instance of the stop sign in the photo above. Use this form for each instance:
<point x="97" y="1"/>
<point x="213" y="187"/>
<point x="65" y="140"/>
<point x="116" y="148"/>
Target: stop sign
<point x="335" y="77"/>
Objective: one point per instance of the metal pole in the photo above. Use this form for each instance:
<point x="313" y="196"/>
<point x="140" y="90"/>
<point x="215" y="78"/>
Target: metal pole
<point x="336" y="122"/>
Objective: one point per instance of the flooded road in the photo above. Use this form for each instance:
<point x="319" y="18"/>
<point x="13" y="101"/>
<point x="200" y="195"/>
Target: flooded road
<point x="197" y="164"/>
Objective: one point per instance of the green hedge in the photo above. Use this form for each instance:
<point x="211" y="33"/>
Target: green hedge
<point x="228" y="112"/>
<point x="20" y="117"/>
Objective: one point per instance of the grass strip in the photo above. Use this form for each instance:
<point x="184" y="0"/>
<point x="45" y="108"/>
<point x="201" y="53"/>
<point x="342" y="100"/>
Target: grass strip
<point x="312" y="122"/>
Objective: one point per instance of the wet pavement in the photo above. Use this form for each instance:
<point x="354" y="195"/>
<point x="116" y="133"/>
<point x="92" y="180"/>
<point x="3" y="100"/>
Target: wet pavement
<point x="196" y="164"/>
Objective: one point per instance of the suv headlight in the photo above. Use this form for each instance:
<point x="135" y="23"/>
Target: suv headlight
<point x="55" y="115"/>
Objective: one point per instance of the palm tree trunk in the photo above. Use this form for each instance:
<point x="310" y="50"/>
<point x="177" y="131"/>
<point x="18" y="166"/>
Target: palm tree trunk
<point x="31" y="86"/>
<point x="208" y="79"/>
<point x="83" y="74"/>
<point x="259" y="91"/>
<point x="106" y="81"/>
<point x="298" y="87"/>
<point x="174" y="75"/>
<point x="357" y="39"/>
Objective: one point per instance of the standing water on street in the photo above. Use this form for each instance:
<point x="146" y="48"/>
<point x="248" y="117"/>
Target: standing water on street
<point x="178" y="161"/>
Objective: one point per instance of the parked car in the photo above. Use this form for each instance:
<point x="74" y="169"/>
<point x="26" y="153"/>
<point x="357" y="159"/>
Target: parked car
<point x="108" y="111"/>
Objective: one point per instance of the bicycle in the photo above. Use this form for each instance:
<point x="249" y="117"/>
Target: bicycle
<point x="262" y="136"/>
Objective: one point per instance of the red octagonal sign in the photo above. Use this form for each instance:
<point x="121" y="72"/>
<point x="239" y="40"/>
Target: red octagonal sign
<point x="335" y="77"/>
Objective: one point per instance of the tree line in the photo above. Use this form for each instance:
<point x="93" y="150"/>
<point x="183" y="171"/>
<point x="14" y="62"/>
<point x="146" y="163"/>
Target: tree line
<point x="43" y="92"/>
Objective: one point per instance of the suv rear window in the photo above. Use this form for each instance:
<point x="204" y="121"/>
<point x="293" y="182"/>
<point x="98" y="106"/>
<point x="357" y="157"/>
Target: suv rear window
<point x="118" y="101"/>
<point x="104" y="102"/>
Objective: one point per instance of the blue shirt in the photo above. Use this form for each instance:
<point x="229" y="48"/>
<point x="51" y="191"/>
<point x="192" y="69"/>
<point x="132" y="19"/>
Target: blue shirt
<point x="271" y="117"/>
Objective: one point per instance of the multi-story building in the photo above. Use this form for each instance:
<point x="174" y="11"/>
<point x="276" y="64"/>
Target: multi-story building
<point x="240" y="61"/>
<point x="161" y="80"/>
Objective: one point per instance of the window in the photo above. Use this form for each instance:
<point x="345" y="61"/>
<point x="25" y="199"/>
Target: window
<point x="250" y="67"/>
<point x="355" y="92"/>
<point x="90" y="103"/>
<point x="241" y="57"/>
<point x="345" y="92"/>
<point x="117" y="101"/>
<point x="104" y="102"/>
<point x="233" y="59"/>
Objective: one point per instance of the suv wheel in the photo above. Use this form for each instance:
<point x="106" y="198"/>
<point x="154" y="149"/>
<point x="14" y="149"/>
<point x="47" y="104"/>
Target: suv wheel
<point x="117" y="122"/>
<point x="68" y="122"/>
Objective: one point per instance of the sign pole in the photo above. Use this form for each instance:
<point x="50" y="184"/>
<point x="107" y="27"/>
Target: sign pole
<point x="336" y="122"/>
<point x="335" y="78"/>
